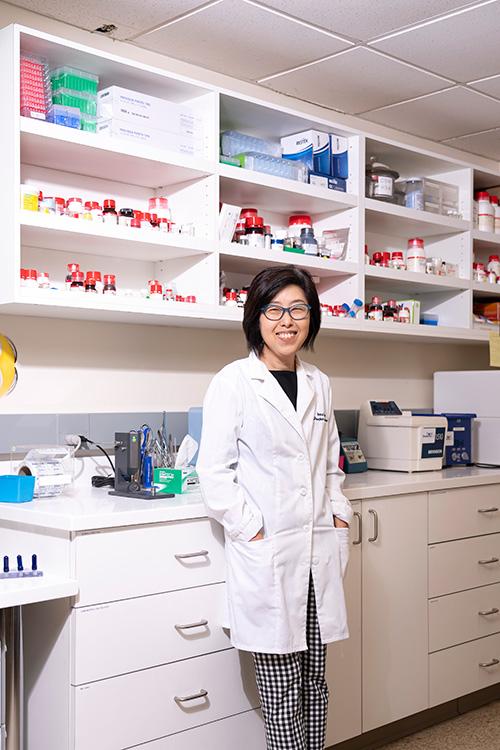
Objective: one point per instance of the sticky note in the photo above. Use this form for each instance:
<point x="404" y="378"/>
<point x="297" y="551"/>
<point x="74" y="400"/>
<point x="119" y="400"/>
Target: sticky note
<point x="494" y="350"/>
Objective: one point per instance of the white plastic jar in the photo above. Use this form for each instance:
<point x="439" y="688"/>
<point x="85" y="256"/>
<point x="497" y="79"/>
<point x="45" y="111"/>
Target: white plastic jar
<point x="415" y="257"/>
<point x="496" y="208"/>
<point x="486" y="213"/>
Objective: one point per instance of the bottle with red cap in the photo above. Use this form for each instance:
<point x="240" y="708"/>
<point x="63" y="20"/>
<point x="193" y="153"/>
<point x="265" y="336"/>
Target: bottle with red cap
<point x="43" y="280"/>
<point x="72" y="268"/>
<point x="415" y="257"/>
<point x="77" y="282"/>
<point x="398" y="261"/>
<point x="155" y="290"/>
<point x="375" y="309"/>
<point x="390" y="311"/>
<point x="485" y="212"/>
<point x="297" y="222"/>
<point x="109" y="287"/>
<point x="494" y="264"/>
<point x="109" y="214"/>
<point x="255" y="231"/>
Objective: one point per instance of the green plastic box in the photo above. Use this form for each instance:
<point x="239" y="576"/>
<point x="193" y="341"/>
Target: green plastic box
<point x="86" y="103"/>
<point x="72" y="78"/>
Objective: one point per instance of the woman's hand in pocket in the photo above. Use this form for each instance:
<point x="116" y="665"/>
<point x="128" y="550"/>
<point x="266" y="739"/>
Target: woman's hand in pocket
<point x="259" y="535"/>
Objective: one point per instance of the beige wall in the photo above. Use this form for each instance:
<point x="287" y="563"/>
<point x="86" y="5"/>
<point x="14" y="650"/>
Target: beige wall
<point x="68" y="366"/>
<point x="74" y="366"/>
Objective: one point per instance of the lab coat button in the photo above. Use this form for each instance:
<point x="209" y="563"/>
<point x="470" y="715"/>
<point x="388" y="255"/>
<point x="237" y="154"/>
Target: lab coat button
<point x="303" y="491"/>
<point x="300" y="457"/>
<point x="306" y="527"/>
<point x="315" y="561"/>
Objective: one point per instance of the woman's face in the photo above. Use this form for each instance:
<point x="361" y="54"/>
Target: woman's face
<point x="283" y="338"/>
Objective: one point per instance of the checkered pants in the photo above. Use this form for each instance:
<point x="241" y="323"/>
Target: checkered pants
<point x="293" y="691"/>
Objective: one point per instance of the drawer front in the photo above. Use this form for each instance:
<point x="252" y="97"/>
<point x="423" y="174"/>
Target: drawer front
<point x="462" y="617"/>
<point x="135" y="561"/>
<point x="463" y="669"/>
<point x="244" y="732"/>
<point x="464" y="512"/>
<point x="463" y="564"/>
<point x="142" y="706"/>
<point x="152" y="630"/>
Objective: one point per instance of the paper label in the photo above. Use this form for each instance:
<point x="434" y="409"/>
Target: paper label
<point x="494" y="350"/>
<point x="429" y="435"/>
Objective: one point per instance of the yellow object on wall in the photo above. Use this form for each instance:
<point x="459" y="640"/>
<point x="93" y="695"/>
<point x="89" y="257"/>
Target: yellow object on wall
<point x="8" y="372"/>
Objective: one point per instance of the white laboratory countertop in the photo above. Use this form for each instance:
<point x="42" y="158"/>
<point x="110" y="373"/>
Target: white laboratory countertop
<point x="14" y="592"/>
<point x="94" y="509"/>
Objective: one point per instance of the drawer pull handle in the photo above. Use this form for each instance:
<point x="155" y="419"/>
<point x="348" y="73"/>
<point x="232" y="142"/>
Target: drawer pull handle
<point x="375" y="525"/>
<point x="492" y="611"/>
<point x="186" y="698"/>
<point x="186" y="555"/>
<point x="487" y="510"/>
<point x="488" y="562"/>
<point x="200" y="624"/>
<point x="357" y="515"/>
<point x="491" y="663"/>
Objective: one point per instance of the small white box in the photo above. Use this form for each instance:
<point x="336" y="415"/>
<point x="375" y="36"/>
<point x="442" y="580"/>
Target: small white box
<point x="139" y="132"/>
<point x="129" y="106"/>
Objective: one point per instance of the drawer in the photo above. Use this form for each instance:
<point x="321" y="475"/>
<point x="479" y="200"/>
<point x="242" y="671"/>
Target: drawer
<point x="462" y="617"/>
<point x="463" y="669"/>
<point x="139" y="560"/>
<point x="464" y="564"/>
<point x="464" y="512"/>
<point x="244" y="731"/>
<point x="142" y="706"/>
<point x="152" y="630"/>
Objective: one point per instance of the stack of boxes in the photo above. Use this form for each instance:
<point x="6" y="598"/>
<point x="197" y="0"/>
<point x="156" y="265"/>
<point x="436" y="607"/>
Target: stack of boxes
<point x="325" y="155"/>
<point x="74" y="98"/>
<point x="35" y="87"/>
<point x="147" y="119"/>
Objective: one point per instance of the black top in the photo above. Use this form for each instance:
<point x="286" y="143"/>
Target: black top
<point x="288" y="381"/>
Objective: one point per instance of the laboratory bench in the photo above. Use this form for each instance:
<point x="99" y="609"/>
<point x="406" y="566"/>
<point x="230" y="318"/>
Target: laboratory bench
<point x="139" y="655"/>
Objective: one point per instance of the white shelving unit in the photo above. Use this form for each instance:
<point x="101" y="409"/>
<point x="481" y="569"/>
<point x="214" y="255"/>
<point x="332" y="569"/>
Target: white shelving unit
<point x="66" y="162"/>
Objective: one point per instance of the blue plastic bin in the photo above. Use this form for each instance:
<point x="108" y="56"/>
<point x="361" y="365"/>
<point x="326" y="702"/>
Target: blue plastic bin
<point x="16" y="489"/>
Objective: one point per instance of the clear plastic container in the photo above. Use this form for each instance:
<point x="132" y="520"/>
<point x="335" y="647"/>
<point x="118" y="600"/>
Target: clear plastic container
<point x="336" y="242"/>
<point x="69" y="117"/>
<point x="86" y="103"/>
<point x="88" y="123"/>
<point x="73" y="78"/>
<point x="234" y="143"/>
<point x="291" y="170"/>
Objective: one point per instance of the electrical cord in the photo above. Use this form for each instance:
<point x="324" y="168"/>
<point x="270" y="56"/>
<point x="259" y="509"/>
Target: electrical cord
<point x="487" y="466"/>
<point x="96" y="480"/>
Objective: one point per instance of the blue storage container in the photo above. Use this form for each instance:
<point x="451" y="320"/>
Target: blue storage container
<point x="16" y="489"/>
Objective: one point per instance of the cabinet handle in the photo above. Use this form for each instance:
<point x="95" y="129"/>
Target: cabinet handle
<point x="491" y="663"/>
<point x="375" y="525"/>
<point x="360" y="527"/>
<point x="492" y="611"/>
<point x="200" y="624"/>
<point x="487" y="510"/>
<point x="186" y="698"/>
<point x="488" y="562"/>
<point x="186" y="555"/>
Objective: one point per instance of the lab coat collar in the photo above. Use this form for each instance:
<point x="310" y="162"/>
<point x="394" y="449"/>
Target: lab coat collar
<point x="269" y="389"/>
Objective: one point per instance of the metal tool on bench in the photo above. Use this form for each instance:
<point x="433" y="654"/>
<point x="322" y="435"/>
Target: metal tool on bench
<point x="131" y="453"/>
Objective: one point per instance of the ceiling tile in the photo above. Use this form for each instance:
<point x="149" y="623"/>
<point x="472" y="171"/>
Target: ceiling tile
<point x="355" y="81"/>
<point x="491" y="86"/>
<point x="241" y="40"/>
<point x="463" y="47"/>
<point x="447" y="114"/>
<point x="364" y="19"/>
<point x="483" y="144"/>
<point x="124" y="14"/>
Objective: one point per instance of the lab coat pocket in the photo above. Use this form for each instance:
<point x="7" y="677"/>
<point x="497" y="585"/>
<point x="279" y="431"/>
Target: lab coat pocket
<point x="251" y="586"/>
<point x="342" y="534"/>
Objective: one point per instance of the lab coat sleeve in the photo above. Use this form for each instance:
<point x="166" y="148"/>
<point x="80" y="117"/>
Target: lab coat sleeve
<point x="341" y="507"/>
<point x="217" y="461"/>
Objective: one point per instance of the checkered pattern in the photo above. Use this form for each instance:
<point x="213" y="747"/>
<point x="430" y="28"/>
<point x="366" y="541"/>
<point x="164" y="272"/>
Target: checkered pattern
<point x="293" y="691"/>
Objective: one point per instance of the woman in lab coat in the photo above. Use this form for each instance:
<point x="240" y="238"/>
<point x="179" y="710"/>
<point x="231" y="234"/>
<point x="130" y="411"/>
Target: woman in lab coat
<point x="268" y="467"/>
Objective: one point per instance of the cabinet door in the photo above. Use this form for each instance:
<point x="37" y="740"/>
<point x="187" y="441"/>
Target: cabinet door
<point x="394" y="607"/>
<point x="343" y="665"/>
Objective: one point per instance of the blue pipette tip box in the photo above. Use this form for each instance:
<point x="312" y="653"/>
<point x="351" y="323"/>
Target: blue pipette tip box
<point x="16" y="489"/>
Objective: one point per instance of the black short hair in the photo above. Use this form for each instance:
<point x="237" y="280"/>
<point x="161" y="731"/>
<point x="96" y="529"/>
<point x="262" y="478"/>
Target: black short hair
<point x="264" y="288"/>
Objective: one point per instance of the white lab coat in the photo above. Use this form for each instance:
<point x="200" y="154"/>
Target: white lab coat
<point x="264" y="465"/>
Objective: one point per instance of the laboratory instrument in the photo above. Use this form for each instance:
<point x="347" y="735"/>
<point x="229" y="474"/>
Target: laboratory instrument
<point x="354" y="460"/>
<point x="393" y="440"/>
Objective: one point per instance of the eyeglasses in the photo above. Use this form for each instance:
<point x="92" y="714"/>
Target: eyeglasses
<point x="276" y="312"/>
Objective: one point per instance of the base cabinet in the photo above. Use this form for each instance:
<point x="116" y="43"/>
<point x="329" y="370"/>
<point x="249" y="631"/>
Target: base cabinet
<point x="394" y="607"/>
<point x="343" y="661"/>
